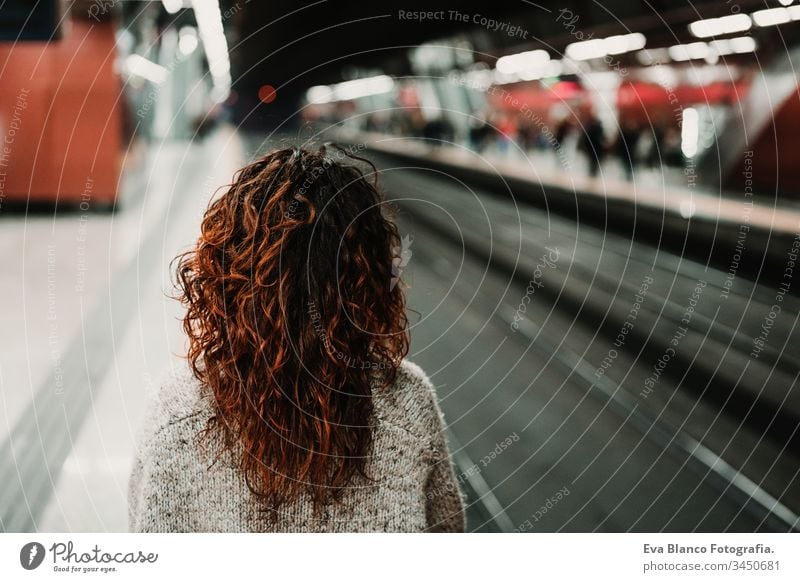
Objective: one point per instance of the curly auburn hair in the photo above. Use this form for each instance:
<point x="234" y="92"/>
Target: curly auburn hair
<point x="294" y="319"/>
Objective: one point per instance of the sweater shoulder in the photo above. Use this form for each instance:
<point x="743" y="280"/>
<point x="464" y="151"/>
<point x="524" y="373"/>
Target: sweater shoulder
<point x="179" y="398"/>
<point x="411" y="402"/>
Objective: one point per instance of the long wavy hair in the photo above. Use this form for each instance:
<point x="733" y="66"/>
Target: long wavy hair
<point x="294" y="318"/>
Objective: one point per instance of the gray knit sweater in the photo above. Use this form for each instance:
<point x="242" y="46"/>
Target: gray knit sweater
<point x="176" y="485"/>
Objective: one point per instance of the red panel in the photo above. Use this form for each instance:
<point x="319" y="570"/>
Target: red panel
<point x="64" y="98"/>
<point x="776" y="158"/>
<point x="644" y="102"/>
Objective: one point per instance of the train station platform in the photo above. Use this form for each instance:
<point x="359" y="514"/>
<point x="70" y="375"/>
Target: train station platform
<point x="542" y="441"/>
<point x="670" y="191"/>
<point x="742" y="231"/>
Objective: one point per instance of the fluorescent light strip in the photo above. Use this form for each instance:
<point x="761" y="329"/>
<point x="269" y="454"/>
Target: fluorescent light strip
<point x="702" y="50"/>
<point x="687" y="52"/>
<point x="141" y="67"/>
<point x="689" y="132"/>
<point x="743" y="44"/>
<point x="209" y="24"/>
<point x="187" y="41"/>
<point x="172" y="6"/>
<point x="597" y="48"/>
<point x="775" y="16"/>
<point x="521" y="62"/>
<point x="363" y="87"/>
<point x="771" y="16"/>
<point x="740" y="22"/>
<point x="319" y="94"/>
<point x="348" y="90"/>
<point x="718" y="26"/>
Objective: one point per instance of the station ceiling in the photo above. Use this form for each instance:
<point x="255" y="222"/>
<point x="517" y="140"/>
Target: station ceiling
<point x="294" y="45"/>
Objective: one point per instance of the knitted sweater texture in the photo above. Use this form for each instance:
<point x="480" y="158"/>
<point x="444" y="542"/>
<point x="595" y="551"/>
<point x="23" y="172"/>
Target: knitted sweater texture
<point x="179" y="484"/>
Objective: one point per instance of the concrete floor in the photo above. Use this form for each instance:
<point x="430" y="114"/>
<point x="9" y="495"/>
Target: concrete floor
<point x="89" y="329"/>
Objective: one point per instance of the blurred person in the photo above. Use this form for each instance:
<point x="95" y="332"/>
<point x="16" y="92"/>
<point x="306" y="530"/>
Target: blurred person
<point x="480" y="133"/>
<point x="400" y="123"/>
<point x="417" y="123"/>
<point x="507" y="129"/>
<point x="593" y="142"/>
<point x="671" y="148"/>
<point x="297" y="411"/>
<point x="626" y="146"/>
<point x="377" y="122"/>
<point x="372" y="123"/>
<point x="439" y="131"/>
<point x="562" y="131"/>
<point x="528" y="135"/>
<point x="656" y="142"/>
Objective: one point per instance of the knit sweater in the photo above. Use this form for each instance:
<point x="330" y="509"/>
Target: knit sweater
<point x="181" y="485"/>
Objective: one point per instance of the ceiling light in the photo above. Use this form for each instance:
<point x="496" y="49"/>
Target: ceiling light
<point x="597" y="48"/>
<point x="141" y="67"/>
<point x="771" y="16"/>
<point x="522" y="61"/>
<point x="729" y="46"/>
<point x="585" y="50"/>
<point x="362" y="88"/>
<point x="721" y="25"/>
<point x="686" y="52"/>
<point x="689" y="132"/>
<point x="743" y="44"/>
<point x="209" y="24"/>
<point x="172" y="6"/>
<point x="187" y="41"/>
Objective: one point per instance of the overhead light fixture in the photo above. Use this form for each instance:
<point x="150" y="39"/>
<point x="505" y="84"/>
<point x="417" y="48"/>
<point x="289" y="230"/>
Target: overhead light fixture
<point x="721" y="46"/>
<point x="349" y="90"/>
<point x="623" y="43"/>
<point x="500" y="78"/>
<point x="585" y="50"/>
<point x="722" y="25"/>
<point x="363" y="87"/>
<point x="785" y="2"/>
<point x="319" y="94"/>
<point x="172" y="6"/>
<point x="729" y="46"/>
<point x="687" y="52"/>
<point x="771" y="16"/>
<point x="187" y="40"/>
<point x="141" y="67"/>
<point x="209" y="23"/>
<point x="522" y="61"/>
<point x="646" y="58"/>
<point x="597" y="48"/>
<point x="653" y="56"/>
<point x="743" y="44"/>
<point x="690" y="131"/>
<point x="549" y="69"/>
